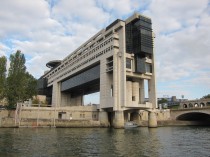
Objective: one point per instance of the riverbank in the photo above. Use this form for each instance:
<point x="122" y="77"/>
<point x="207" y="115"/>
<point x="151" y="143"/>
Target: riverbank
<point x="78" y="117"/>
<point x="10" y="123"/>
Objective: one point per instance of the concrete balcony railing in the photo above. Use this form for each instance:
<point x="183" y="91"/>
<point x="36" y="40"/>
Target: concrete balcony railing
<point x="147" y="105"/>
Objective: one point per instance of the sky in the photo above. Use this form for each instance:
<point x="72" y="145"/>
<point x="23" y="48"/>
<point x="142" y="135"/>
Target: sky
<point x="46" y="30"/>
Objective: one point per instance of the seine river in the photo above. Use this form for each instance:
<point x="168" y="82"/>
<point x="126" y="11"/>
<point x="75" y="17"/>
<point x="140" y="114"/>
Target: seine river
<point x="103" y="142"/>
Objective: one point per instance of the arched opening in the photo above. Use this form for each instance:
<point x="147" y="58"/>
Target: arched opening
<point x="197" y="118"/>
<point x="202" y="104"/>
<point x="185" y="106"/>
<point x="195" y="105"/>
<point x="190" y="105"/>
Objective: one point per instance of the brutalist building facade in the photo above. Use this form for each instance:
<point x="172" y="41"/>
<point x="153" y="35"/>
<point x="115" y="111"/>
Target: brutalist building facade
<point x="118" y="62"/>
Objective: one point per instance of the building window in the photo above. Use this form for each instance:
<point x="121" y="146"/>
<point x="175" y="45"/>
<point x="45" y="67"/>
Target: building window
<point x="148" y="68"/>
<point x="128" y="63"/>
<point x="111" y="90"/>
<point x="133" y="98"/>
<point x="94" y="116"/>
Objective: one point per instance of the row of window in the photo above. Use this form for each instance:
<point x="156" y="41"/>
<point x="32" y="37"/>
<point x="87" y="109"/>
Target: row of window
<point x="82" y="115"/>
<point x="80" y="51"/>
<point x="80" y="58"/>
<point x="86" y="61"/>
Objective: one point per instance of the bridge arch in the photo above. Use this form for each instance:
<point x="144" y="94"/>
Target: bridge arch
<point x="190" y="105"/>
<point x="202" y="104"/>
<point x="194" y="116"/>
<point x="196" y="105"/>
<point x="185" y="106"/>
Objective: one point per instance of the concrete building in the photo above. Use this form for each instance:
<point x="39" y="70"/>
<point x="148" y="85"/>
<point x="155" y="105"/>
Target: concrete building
<point x="116" y="61"/>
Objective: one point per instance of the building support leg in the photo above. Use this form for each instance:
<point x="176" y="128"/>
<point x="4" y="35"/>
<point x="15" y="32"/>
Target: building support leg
<point x="118" y="120"/>
<point x="103" y="118"/>
<point x="152" y="119"/>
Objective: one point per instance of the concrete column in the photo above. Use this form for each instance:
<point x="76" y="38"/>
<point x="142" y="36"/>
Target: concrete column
<point x="65" y="99"/>
<point x="103" y="118"/>
<point x="135" y="91"/>
<point x="152" y="92"/>
<point x="129" y="93"/>
<point x="152" y="83"/>
<point x="142" y="93"/>
<point x="76" y="101"/>
<point x="152" y="119"/>
<point x="56" y="94"/>
<point x="118" y="121"/>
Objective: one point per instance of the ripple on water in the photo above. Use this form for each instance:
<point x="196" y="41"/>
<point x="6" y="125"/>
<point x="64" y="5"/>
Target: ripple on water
<point x="165" y="141"/>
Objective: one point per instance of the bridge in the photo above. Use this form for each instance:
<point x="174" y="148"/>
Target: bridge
<point x="195" y="103"/>
<point x="198" y="115"/>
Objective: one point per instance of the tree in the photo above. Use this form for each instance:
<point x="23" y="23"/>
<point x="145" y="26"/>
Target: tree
<point x="206" y="96"/>
<point x="3" y="70"/>
<point x="20" y="84"/>
<point x="30" y="86"/>
<point x="162" y="101"/>
<point x="16" y="79"/>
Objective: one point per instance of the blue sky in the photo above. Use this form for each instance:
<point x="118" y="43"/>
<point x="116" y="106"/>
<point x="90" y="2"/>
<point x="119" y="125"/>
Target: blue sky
<point x="45" y="30"/>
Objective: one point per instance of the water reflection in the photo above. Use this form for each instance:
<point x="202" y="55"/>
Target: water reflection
<point x="166" y="141"/>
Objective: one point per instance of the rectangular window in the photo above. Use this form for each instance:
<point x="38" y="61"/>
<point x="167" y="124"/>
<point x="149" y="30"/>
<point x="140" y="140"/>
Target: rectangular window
<point x="111" y="90"/>
<point x="128" y="63"/>
<point x="148" y="68"/>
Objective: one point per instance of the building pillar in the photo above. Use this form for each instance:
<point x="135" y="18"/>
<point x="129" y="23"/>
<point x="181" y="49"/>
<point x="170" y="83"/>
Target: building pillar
<point x="129" y="93"/>
<point x="118" y="121"/>
<point x="65" y="99"/>
<point x="103" y="118"/>
<point x="152" y="92"/>
<point x="135" y="91"/>
<point x="142" y="92"/>
<point x="152" y="119"/>
<point x="56" y="94"/>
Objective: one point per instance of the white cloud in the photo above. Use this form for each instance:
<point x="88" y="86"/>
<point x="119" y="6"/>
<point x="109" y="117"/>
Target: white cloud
<point x="49" y="29"/>
<point x="182" y="37"/>
<point x="121" y="7"/>
<point x="80" y="11"/>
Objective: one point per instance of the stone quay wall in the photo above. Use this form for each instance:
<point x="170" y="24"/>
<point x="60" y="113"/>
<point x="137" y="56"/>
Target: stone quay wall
<point x="79" y="116"/>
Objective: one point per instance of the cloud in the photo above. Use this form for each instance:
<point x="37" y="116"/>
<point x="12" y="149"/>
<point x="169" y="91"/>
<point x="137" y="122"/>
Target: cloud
<point x="119" y="8"/>
<point x="182" y="38"/>
<point x="45" y="30"/>
<point x="80" y="11"/>
<point x="169" y="16"/>
<point x="19" y="18"/>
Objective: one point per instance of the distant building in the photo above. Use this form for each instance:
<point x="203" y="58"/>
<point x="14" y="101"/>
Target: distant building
<point x="172" y="101"/>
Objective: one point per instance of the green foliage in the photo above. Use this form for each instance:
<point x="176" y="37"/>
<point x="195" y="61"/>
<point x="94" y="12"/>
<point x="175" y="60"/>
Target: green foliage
<point x="3" y="70"/>
<point x="30" y="86"/>
<point x="35" y="101"/>
<point x="174" y="107"/>
<point x="162" y="101"/>
<point x="206" y="96"/>
<point x="20" y="84"/>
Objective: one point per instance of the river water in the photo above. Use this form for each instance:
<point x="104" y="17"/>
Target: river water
<point x="105" y="142"/>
